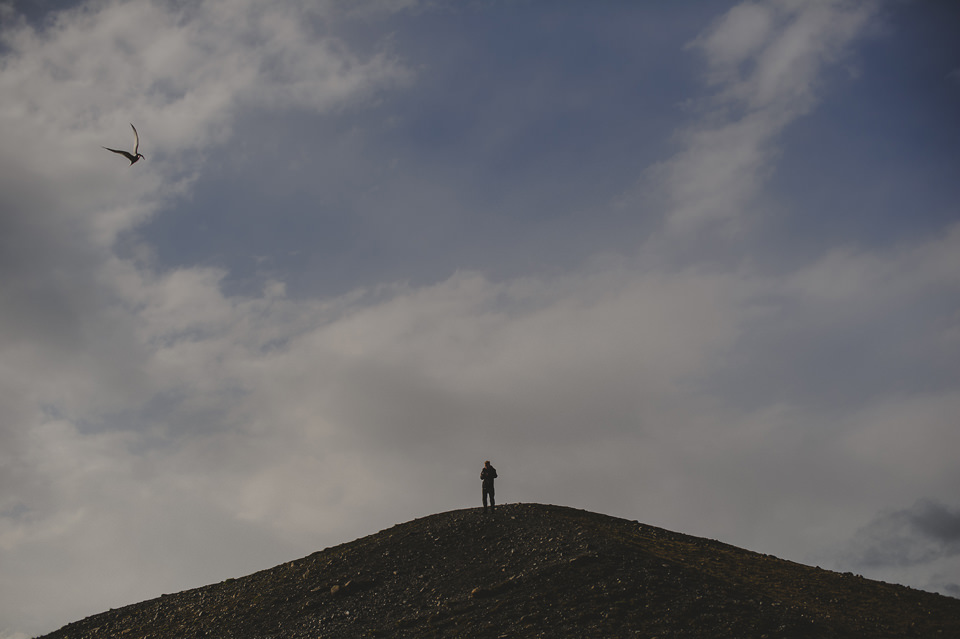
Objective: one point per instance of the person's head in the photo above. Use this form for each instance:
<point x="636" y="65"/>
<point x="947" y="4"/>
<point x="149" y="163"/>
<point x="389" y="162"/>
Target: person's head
<point x="486" y="463"/>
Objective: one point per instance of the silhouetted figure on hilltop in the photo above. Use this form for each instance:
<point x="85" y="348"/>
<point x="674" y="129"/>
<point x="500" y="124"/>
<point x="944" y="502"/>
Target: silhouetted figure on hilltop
<point x="487" y="475"/>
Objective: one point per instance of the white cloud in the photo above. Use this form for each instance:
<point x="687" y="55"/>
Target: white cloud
<point x="95" y="480"/>
<point x="764" y="60"/>
<point x="302" y="420"/>
<point x="769" y="56"/>
<point x="182" y="80"/>
<point x="158" y="434"/>
<point x="736" y="37"/>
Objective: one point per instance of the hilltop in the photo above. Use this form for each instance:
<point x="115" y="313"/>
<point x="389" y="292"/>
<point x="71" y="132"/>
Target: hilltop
<point x="531" y="570"/>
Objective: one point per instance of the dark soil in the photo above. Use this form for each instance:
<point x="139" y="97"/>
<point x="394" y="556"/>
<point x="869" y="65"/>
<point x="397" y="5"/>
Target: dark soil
<point x="530" y="570"/>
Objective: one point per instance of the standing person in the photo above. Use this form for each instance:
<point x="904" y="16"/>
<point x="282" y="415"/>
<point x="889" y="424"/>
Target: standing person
<point x="487" y="475"/>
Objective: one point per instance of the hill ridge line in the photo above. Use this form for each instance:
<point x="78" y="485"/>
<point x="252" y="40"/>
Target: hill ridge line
<point x="533" y="570"/>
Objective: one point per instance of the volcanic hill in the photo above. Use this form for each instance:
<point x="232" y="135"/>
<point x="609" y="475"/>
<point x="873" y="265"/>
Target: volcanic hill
<point x="530" y="570"/>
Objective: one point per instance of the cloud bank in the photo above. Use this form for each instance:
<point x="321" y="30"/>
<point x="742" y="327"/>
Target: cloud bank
<point x="159" y="433"/>
<point x="923" y="537"/>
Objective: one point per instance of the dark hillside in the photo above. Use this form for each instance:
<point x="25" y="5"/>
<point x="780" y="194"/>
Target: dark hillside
<point x="531" y="570"/>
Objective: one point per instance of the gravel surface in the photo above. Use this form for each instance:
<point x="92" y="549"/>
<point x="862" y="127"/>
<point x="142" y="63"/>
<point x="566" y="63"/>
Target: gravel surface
<point x="530" y="570"/>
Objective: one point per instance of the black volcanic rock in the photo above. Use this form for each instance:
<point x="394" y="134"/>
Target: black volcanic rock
<point x="531" y="570"/>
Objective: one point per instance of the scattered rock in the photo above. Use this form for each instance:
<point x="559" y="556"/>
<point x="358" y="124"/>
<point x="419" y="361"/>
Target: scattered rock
<point x="533" y="571"/>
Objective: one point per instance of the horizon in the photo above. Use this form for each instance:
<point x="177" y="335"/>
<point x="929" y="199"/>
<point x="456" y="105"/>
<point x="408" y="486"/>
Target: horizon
<point x="445" y="571"/>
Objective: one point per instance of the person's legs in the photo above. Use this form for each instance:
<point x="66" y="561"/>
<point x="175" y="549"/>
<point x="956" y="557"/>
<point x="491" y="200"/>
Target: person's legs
<point x="485" y="491"/>
<point x="493" y="502"/>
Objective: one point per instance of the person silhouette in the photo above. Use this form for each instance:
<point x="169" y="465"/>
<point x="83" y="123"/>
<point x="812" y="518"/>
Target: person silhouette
<point x="487" y="475"/>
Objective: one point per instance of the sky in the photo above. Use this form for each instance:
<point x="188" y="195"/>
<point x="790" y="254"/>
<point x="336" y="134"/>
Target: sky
<point x="691" y="264"/>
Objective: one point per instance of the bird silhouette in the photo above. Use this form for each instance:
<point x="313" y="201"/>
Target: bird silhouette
<point x="133" y="157"/>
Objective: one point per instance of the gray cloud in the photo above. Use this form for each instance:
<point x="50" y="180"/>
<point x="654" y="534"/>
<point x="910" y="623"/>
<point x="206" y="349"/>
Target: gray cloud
<point x="925" y="532"/>
<point x="919" y="545"/>
<point x="94" y="426"/>
<point x="159" y="433"/>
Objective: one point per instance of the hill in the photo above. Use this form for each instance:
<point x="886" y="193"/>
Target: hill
<point x="531" y="570"/>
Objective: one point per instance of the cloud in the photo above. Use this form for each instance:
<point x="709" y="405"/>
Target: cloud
<point x="926" y="532"/>
<point x="94" y="476"/>
<point x="73" y="87"/>
<point x="919" y="545"/>
<point x="764" y="61"/>
<point x="183" y="80"/>
<point x="300" y="420"/>
<point x="159" y="433"/>
<point x="939" y="523"/>
<point x="771" y="55"/>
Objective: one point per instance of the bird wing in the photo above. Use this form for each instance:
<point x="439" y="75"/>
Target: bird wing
<point x="123" y="153"/>
<point x="136" y="145"/>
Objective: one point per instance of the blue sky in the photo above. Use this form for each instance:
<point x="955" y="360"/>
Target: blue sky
<point x="546" y="95"/>
<point x="693" y="264"/>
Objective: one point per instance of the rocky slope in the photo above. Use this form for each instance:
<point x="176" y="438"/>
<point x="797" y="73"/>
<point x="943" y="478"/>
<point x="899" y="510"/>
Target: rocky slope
<point x="531" y="570"/>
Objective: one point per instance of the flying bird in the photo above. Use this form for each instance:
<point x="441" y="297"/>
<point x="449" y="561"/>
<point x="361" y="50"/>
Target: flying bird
<point x="133" y="157"/>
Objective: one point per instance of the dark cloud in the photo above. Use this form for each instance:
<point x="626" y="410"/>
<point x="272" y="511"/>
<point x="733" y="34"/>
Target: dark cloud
<point x="937" y="522"/>
<point x="925" y="532"/>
